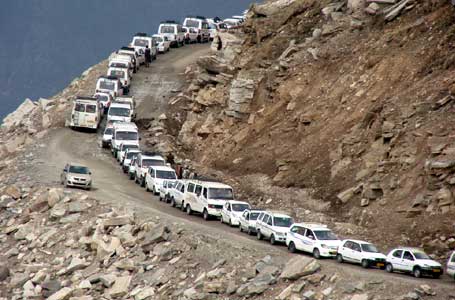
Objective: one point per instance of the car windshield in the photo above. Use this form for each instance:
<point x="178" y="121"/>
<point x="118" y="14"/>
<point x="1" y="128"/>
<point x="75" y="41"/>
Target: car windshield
<point x="165" y="174"/>
<point x="117" y="73"/>
<point x="119" y="111"/>
<point x="129" y="147"/>
<point x="167" y="29"/>
<point x="159" y="39"/>
<point x="184" y="30"/>
<point x="325" y="235"/>
<point x="369" y="248"/>
<point x="282" y="221"/>
<point x="130" y="155"/>
<point x="141" y="42"/>
<point x="152" y="162"/>
<point x="109" y="131"/>
<point x="254" y="216"/>
<point x="107" y="85"/>
<point x="192" y="23"/>
<point x="240" y="206"/>
<point x="126" y="136"/>
<point x="102" y="97"/>
<point x="221" y="193"/>
<point x="421" y="255"/>
<point x="78" y="170"/>
<point x="118" y="65"/>
<point x="171" y="184"/>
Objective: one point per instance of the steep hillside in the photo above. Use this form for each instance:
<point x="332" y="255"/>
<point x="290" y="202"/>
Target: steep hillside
<point x="343" y="108"/>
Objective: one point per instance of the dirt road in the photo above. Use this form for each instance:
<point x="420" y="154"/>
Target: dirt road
<point x="151" y="87"/>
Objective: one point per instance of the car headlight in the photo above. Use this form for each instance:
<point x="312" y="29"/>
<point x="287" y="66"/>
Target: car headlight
<point x="324" y="246"/>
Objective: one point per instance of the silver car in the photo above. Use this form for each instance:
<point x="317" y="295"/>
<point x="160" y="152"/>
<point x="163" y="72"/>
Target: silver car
<point x="76" y="175"/>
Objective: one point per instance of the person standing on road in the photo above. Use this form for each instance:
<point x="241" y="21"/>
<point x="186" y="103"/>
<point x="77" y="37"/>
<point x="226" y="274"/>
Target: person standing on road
<point x="220" y="43"/>
<point x="148" y="56"/>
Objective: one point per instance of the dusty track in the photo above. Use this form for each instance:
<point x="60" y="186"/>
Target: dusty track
<point x="150" y="87"/>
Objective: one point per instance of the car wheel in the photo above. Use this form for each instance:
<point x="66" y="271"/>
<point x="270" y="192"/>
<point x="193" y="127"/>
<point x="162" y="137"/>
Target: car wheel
<point x="389" y="268"/>
<point x="259" y="235"/>
<point x="339" y="258"/>
<point x="272" y="239"/>
<point x="172" y="202"/>
<point x="316" y="253"/>
<point x="142" y="182"/>
<point x="147" y="187"/>
<point x="249" y="231"/>
<point x="182" y="206"/>
<point x="365" y="264"/>
<point x="292" y="247"/>
<point x="188" y="209"/>
<point x="417" y="272"/>
<point x="205" y="215"/>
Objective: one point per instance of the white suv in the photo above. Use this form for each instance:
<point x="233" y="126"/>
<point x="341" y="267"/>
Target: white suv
<point x="248" y="220"/>
<point x="207" y="198"/>
<point x="155" y="177"/>
<point x="143" y="162"/>
<point x="451" y="265"/>
<point x="201" y="25"/>
<point x="273" y="226"/>
<point x="232" y="210"/>
<point x="130" y="154"/>
<point x="165" y="190"/>
<point x="414" y="261"/>
<point x="313" y="238"/>
<point x="140" y="40"/>
<point x="361" y="252"/>
<point x="177" y="193"/>
<point x="173" y="31"/>
<point x="123" y="148"/>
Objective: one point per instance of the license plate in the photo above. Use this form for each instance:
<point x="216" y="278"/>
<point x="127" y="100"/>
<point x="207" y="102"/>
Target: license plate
<point x="436" y="270"/>
<point x="333" y="252"/>
<point x="380" y="264"/>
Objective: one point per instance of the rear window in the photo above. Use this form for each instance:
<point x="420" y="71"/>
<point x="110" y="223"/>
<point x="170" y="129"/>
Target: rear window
<point x="107" y="85"/>
<point x="90" y="108"/>
<point x="192" y="23"/>
<point x="141" y="42"/>
<point x="79" y="107"/>
<point x="117" y="73"/>
<point x="167" y="29"/>
<point x="152" y="162"/>
<point x="165" y="174"/>
<point x="254" y="216"/>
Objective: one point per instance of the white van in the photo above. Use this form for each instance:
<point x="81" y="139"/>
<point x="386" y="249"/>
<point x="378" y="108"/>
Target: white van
<point x="125" y="58"/>
<point x="119" y="112"/>
<point x="137" y="59"/>
<point x="123" y="75"/>
<point x="173" y="31"/>
<point x="207" y="198"/>
<point x="201" y="25"/>
<point x="111" y="85"/>
<point x="155" y="177"/>
<point x="140" y="40"/>
<point x="86" y="113"/>
<point x="124" y="132"/>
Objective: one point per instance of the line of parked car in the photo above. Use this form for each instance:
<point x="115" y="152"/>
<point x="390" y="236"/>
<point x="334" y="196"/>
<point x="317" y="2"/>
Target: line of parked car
<point x="208" y="198"/>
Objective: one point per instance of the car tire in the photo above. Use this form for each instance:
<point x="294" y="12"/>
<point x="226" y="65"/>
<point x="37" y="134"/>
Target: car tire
<point x="292" y="248"/>
<point x="340" y="258"/>
<point x="272" y="240"/>
<point x="316" y="253"/>
<point x="417" y="272"/>
<point x="172" y="202"/>
<point x="365" y="264"/>
<point x="182" y="206"/>
<point x="249" y="231"/>
<point x="389" y="268"/>
<point x="188" y="209"/>
<point x="142" y="182"/>
<point x="147" y="188"/>
<point x="259" y="235"/>
<point x="205" y="215"/>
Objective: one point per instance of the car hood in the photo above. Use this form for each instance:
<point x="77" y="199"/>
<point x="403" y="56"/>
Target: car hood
<point x="237" y="214"/>
<point x="281" y="229"/>
<point x="331" y="243"/>
<point x="428" y="262"/>
<point x="120" y="119"/>
<point x="375" y="255"/>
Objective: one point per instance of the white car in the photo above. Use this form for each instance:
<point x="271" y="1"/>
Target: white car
<point x="177" y="193"/>
<point x="163" y="43"/>
<point x="131" y="171"/>
<point x="273" y="226"/>
<point x="123" y="75"/>
<point x="451" y="265"/>
<point x="313" y="238"/>
<point x="105" y="100"/>
<point x="123" y="148"/>
<point x="248" y="220"/>
<point x="360" y="252"/>
<point x="201" y="25"/>
<point x="128" y="157"/>
<point x="173" y="31"/>
<point x="124" y="133"/>
<point x="107" y="136"/>
<point x="414" y="261"/>
<point x="190" y="35"/>
<point x="138" y="59"/>
<point x="155" y="177"/>
<point x="86" y="113"/>
<point x="165" y="190"/>
<point x="207" y="198"/>
<point x="123" y="58"/>
<point x="119" y="112"/>
<point x="232" y="211"/>
<point x="111" y="85"/>
<point x="142" y="164"/>
<point x="140" y="40"/>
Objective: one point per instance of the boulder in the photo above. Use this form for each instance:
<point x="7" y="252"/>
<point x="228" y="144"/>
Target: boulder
<point x="120" y="287"/>
<point x="299" y="266"/>
<point x="62" y="294"/>
<point x="4" y="272"/>
<point x="16" y="117"/>
<point x="13" y="191"/>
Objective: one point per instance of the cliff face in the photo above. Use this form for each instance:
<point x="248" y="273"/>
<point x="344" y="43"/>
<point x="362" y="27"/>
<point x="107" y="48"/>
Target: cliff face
<point x="344" y="108"/>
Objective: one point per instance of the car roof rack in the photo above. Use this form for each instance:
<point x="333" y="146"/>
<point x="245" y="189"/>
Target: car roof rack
<point x="168" y="22"/>
<point x="205" y="178"/>
<point x="196" y="17"/>
<point x="86" y="98"/>
<point x="127" y="48"/>
<point x="151" y="153"/>
<point x="141" y="34"/>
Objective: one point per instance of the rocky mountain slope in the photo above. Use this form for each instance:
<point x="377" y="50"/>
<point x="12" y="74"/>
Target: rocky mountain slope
<point x="338" y="111"/>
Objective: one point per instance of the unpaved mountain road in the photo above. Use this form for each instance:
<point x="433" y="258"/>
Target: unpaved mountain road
<point x="151" y="87"/>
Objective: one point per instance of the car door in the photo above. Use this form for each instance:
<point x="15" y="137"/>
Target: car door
<point x="269" y="226"/>
<point x="356" y="252"/>
<point x="345" y="250"/>
<point x="308" y="240"/>
<point x="407" y="261"/>
<point x="198" y="203"/>
<point x="224" y="212"/>
<point x="244" y="222"/>
<point x="451" y="265"/>
<point x="296" y="234"/>
<point x="396" y="259"/>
